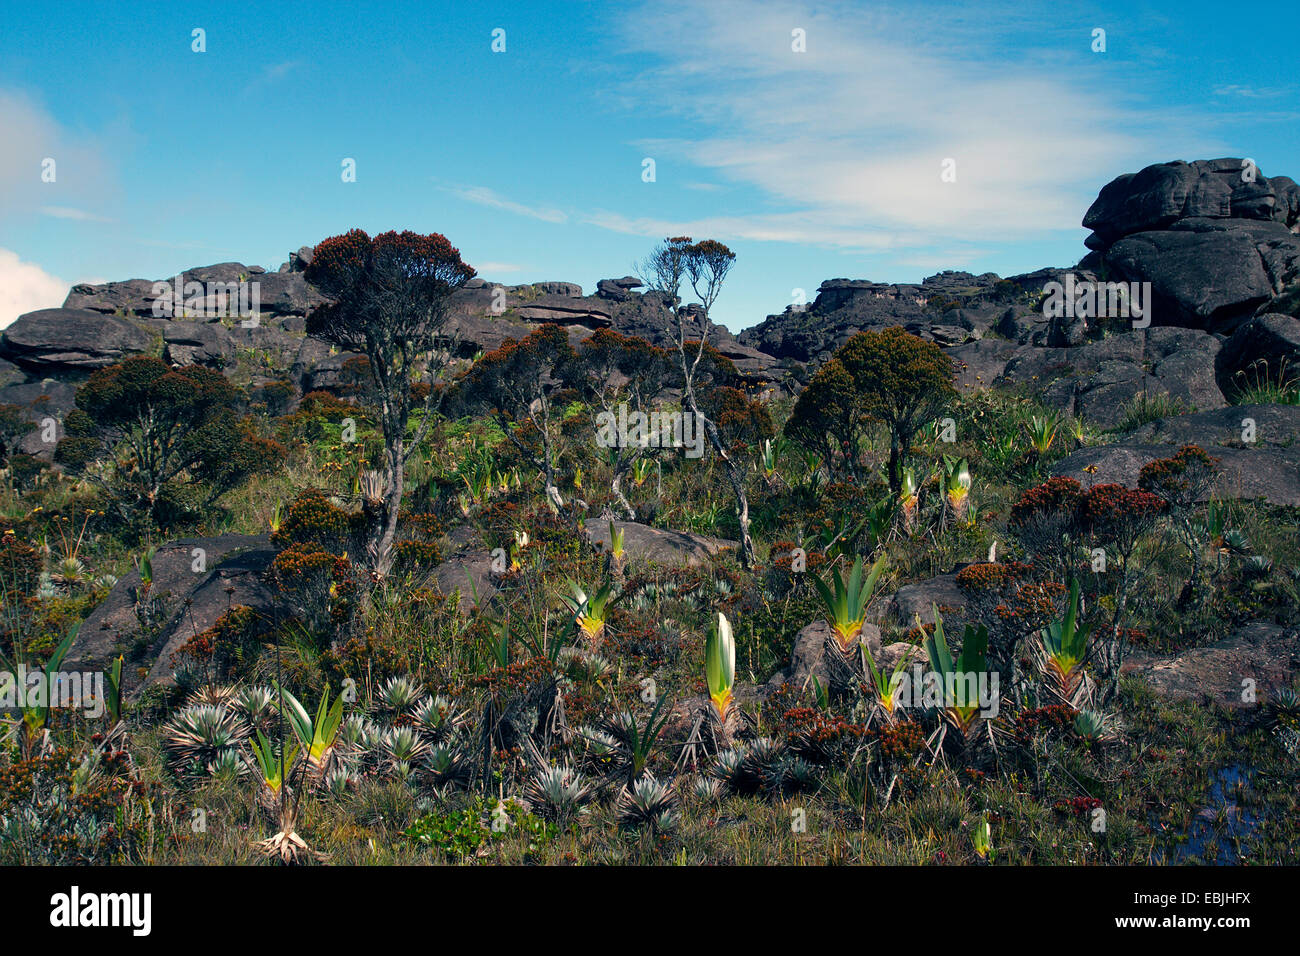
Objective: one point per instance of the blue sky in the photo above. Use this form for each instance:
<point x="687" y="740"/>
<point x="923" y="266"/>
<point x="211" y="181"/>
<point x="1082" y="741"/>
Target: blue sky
<point x="811" y="165"/>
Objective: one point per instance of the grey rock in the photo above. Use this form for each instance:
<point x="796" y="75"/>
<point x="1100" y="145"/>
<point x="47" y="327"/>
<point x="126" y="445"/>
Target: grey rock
<point x="1265" y="654"/>
<point x="1270" y="473"/>
<point x="77" y="341"/>
<point x="1265" y="349"/>
<point x="113" y="627"/>
<point x="808" y="657"/>
<point x="658" y="545"/>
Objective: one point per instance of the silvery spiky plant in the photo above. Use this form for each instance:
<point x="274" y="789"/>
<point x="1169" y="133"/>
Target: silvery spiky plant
<point x="360" y="742"/>
<point x="648" y="803"/>
<point x="1090" y="725"/>
<point x="436" y="717"/>
<point x="582" y="666"/>
<point x="559" y="793"/>
<point x="707" y="788"/>
<point x="596" y="748"/>
<point x="338" y="781"/>
<point x="762" y="765"/>
<point x="399" y="695"/>
<point x="198" y="735"/>
<point x="256" y="704"/>
<point x="729" y="769"/>
<point x="403" y="745"/>
<point x="227" y="762"/>
<point x="447" y="766"/>
<point x="211" y="694"/>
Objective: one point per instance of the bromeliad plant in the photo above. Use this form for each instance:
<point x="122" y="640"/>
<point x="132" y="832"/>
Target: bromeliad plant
<point x="846" y="607"/>
<point x="720" y="666"/>
<point x="1042" y="432"/>
<point x="908" y="499"/>
<point x="960" y="678"/>
<point x="271" y="767"/>
<point x="616" y="535"/>
<point x="885" y="685"/>
<point x="318" y="735"/>
<point x="34" y="703"/>
<point x="589" y="610"/>
<point x="956" y="487"/>
<point x="1065" y="645"/>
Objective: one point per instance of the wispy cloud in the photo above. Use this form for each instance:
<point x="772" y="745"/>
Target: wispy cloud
<point x="41" y="160"/>
<point x="848" y="138"/>
<point x="1251" y="92"/>
<point x="483" y="196"/>
<point x="68" y="212"/>
<point x="272" y="74"/>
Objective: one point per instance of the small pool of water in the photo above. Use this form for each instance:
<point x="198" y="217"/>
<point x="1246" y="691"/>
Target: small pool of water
<point x="1219" y="829"/>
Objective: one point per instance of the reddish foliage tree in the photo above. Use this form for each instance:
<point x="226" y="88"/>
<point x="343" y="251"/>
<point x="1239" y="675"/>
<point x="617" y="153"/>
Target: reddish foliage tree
<point x="390" y="297"/>
<point x="611" y="369"/>
<point x="514" y="384"/>
<point x="166" y="430"/>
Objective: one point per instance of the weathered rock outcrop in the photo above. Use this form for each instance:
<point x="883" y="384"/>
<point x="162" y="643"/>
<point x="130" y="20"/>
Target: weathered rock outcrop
<point x="644" y="543"/>
<point x="186" y="601"/>
<point x="1215" y="238"/>
<point x="72" y="342"/>
<point x="1267" y="467"/>
<point x="1266" y="655"/>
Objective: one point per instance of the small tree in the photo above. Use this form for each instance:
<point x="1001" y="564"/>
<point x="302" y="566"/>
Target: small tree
<point x="390" y="299"/>
<point x="706" y="265"/>
<point x="827" y="418"/>
<point x="1182" y="481"/>
<point x="158" y="439"/>
<point x="613" y="369"/>
<point x="12" y="428"/>
<point x="514" y="383"/>
<point x="901" y="381"/>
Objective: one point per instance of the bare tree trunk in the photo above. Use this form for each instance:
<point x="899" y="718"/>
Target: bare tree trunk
<point x="616" y="487"/>
<point x="734" y="476"/>
<point x="394" y="484"/>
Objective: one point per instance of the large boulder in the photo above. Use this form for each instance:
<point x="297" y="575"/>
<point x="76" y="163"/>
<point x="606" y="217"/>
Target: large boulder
<point x="187" y="596"/>
<point x="1100" y="380"/>
<point x="1267" y="425"/>
<point x="467" y="569"/>
<point x="808" y="659"/>
<point x="279" y="293"/>
<point x="1216" y="239"/>
<point x="1272" y="474"/>
<point x="658" y="545"/>
<point x="922" y="597"/>
<point x="618" y="290"/>
<point x="198" y="343"/>
<point x="1265" y="349"/>
<point x="1207" y="273"/>
<point x="40" y="403"/>
<point x="71" y="341"/>
<point x="1260" y="656"/>
<point x="11" y="374"/>
<point x="1162" y="194"/>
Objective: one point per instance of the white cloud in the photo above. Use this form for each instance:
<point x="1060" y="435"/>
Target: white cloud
<point x="25" y="287"/>
<point x="847" y="139"/>
<point x="482" y="196"/>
